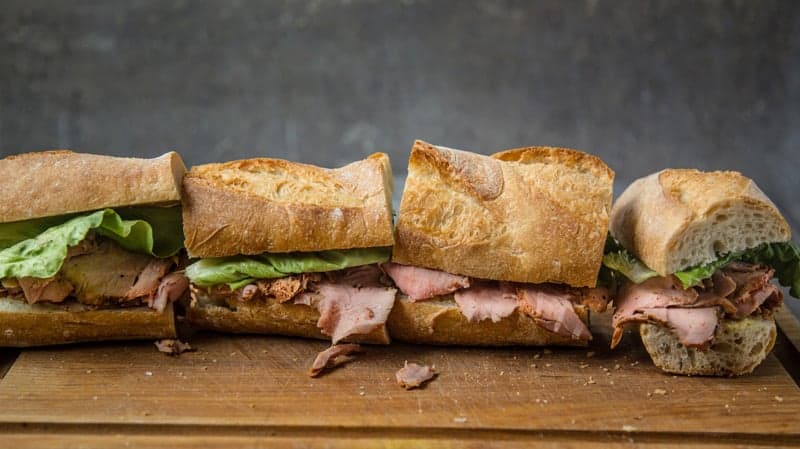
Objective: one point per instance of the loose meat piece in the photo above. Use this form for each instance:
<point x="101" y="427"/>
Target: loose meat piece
<point x="552" y="308"/>
<point x="346" y="310"/>
<point x="173" y="347"/>
<point x="422" y="283"/>
<point x="286" y="288"/>
<point x="413" y="376"/>
<point x="172" y="287"/>
<point x="486" y="301"/>
<point x="50" y="289"/>
<point x="332" y="357"/>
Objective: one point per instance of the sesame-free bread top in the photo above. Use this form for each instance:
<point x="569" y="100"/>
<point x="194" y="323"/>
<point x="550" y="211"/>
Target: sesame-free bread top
<point x="535" y="214"/>
<point x="680" y="218"/>
<point x="255" y="206"/>
<point x="51" y="183"/>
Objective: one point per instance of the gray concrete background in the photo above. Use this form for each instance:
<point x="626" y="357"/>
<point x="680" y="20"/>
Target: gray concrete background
<point x="643" y="84"/>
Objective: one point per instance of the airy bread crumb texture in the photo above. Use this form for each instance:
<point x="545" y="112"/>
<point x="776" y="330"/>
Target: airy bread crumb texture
<point x="739" y="346"/>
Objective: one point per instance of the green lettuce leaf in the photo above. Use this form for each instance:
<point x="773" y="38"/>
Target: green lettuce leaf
<point x="237" y="271"/>
<point x="784" y="257"/>
<point x="42" y="255"/>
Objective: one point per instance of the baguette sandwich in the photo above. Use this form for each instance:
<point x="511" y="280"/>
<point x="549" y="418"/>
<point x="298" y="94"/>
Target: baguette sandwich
<point x="500" y="250"/>
<point x="89" y="247"/>
<point x="696" y="252"/>
<point x="291" y="249"/>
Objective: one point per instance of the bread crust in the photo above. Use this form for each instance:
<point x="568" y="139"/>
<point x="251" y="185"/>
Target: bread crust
<point x="530" y="215"/>
<point x="270" y="205"/>
<point x="79" y="182"/>
<point x="24" y="325"/>
<point x="438" y="321"/>
<point x="656" y="214"/>
<point x="267" y="317"/>
<point x="739" y="346"/>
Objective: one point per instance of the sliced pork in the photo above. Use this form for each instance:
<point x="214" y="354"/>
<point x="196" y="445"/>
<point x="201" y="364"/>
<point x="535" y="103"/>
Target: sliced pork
<point x="171" y="287"/>
<point x="332" y="357"/>
<point x="50" y="289"/>
<point x="422" y="283"/>
<point x="346" y="310"/>
<point x="486" y="301"/>
<point x="736" y="291"/>
<point x="412" y="375"/>
<point x="552" y="308"/>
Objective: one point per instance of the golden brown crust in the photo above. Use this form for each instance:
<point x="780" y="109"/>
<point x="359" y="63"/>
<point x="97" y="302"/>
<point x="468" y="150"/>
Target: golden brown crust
<point x="438" y="321"/>
<point x="23" y="325"/>
<point x="52" y="183"/>
<point x="267" y="316"/>
<point x="269" y="205"/>
<point x="529" y="215"/>
<point x="660" y="217"/>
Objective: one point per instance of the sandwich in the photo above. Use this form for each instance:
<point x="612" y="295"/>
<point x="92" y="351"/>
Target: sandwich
<point x="90" y="247"/>
<point x="499" y="250"/>
<point x="695" y="253"/>
<point x="290" y="249"/>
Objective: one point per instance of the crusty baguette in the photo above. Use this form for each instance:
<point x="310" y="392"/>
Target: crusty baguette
<point x="266" y="317"/>
<point x="23" y="325"/>
<point x="675" y="219"/>
<point x="269" y="205"/>
<point x="438" y="321"/>
<point x="527" y="215"/>
<point x="739" y="346"/>
<point x="52" y="183"/>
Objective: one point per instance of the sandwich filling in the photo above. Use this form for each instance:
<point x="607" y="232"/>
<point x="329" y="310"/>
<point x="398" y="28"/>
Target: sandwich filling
<point x="98" y="259"/>
<point x="551" y="306"/>
<point x="346" y="287"/>
<point x="692" y="302"/>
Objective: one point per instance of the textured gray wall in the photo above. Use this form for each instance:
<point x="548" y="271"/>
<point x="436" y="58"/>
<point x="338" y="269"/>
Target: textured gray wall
<point x="643" y="84"/>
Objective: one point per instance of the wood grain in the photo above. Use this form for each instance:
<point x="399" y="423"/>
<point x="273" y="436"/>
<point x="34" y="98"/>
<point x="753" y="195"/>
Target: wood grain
<point x="261" y="381"/>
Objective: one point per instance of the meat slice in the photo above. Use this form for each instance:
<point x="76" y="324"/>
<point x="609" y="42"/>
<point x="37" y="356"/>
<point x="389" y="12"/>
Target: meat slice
<point x="108" y="272"/>
<point x="50" y="289"/>
<point x="346" y="310"/>
<point x="422" y="283"/>
<point x="662" y="291"/>
<point x="694" y="327"/>
<point x="486" y="300"/>
<point x="412" y="375"/>
<point x="171" y="346"/>
<point x="171" y="287"/>
<point x="148" y="280"/>
<point x="282" y="289"/>
<point x="748" y="303"/>
<point x="552" y="308"/>
<point x="332" y="357"/>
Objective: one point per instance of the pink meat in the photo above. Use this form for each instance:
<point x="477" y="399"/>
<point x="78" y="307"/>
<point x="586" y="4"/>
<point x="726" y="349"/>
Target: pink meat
<point x="172" y="287"/>
<point x="412" y="375"/>
<point x="694" y="327"/>
<point x="346" y="310"/>
<point x="486" y="300"/>
<point x="552" y="308"/>
<point x="149" y="279"/>
<point x="422" y="283"/>
<point x="50" y="289"/>
<point x="333" y="357"/>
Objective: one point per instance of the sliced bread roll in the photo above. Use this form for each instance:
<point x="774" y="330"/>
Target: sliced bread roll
<point x="23" y="324"/>
<point x="256" y="206"/>
<point x="529" y="215"/>
<point x="80" y="182"/>
<point x="738" y="347"/>
<point x="676" y="219"/>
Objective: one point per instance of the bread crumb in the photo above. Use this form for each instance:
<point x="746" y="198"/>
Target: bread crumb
<point x="460" y="419"/>
<point x="537" y="356"/>
<point x="362" y="393"/>
<point x="548" y="365"/>
<point x="583" y="365"/>
<point x="590" y="354"/>
<point x="616" y="366"/>
<point x="547" y="351"/>
<point x="148" y="373"/>
<point x="629" y="428"/>
<point x="591" y="381"/>
<point x="88" y="371"/>
<point x="660" y="391"/>
<point x="779" y="398"/>
<point x="533" y="365"/>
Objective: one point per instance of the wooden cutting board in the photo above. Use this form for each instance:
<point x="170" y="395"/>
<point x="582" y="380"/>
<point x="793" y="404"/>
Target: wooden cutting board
<point x="253" y="391"/>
